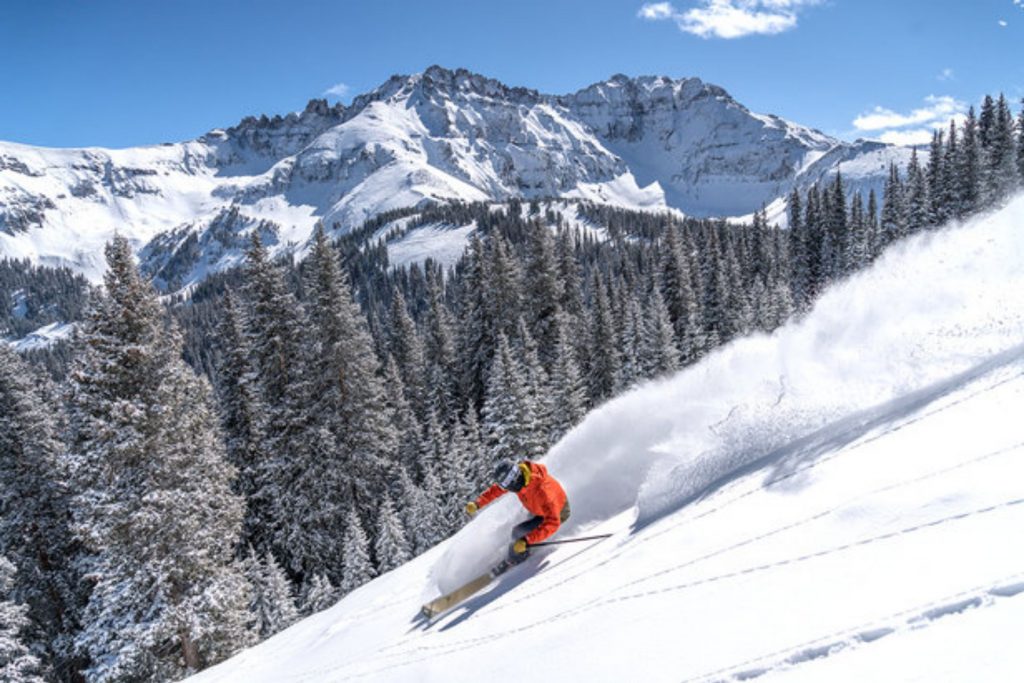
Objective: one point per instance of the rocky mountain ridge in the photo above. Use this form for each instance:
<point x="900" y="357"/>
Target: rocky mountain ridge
<point x="651" y="142"/>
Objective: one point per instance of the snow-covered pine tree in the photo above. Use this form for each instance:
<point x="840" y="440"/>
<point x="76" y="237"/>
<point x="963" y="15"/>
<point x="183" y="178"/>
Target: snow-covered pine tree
<point x="872" y="235"/>
<point x="318" y="595"/>
<point x="356" y="565"/>
<point x="476" y="338"/>
<point x="153" y="502"/>
<point x="243" y="416"/>
<point x="950" y="159"/>
<point x="798" y="250"/>
<point x="1000" y="167"/>
<point x="1020" y="145"/>
<point x="916" y="196"/>
<point x="603" y="354"/>
<point x="503" y="286"/>
<point x="407" y="349"/>
<point x="17" y="663"/>
<point x="739" y="312"/>
<point x="814" y="233"/>
<point x="537" y="382"/>
<point x="390" y="546"/>
<point x="543" y="290"/>
<point x="968" y="172"/>
<point x="271" y="605"/>
<point x="407" y="428"/>
<point x="275" y="328"/>
<point x="508" y="415"/>
<point x="660" y="353"/>
<point x="352" y="438"/>
<point x="935" y="173"/>
<point x="35" y="533"/>
<point x="680" y="298"/>
<point x="439" y="350"/>
<point x="986" y="122"/>
<point x="630" y="342"/>
<point x="424" y="520"/>
<point x="893" y="222"/>
<point x="571" y="304"/>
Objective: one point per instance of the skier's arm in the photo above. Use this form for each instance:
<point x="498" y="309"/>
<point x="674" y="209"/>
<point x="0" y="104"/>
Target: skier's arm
<point x="490" y="495"/>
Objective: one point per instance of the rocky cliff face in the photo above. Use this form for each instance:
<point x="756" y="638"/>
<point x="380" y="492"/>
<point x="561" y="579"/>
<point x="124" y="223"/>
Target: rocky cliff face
<point x="648" y="142"/>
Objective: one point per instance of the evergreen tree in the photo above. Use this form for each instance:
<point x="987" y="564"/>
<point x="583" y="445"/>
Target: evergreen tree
<point x="893" y="225"/>
<point x="603" y="353"/>
<point x="660" y="353"/>
<point x="422" y="516"/>
<point x="916" y="196"/>
<point x="318" y="595"/>
<point x="407" y="350"/>
<point x="968" y="191"/>
<point x="390" y="546"/>
<point x="986" y="122"/>
<point x="356" y="566"/>
<point x="271" y="605"/>
<point x="543" y="290"/>
<point x="407" y="428"/>
<point x="355" y="440"/>
<point x="17" y="663"/>
<point x="1000" y="171"/>
<point x="243" y="416"/>
<point x="509" y="418"/>
<point x="936" y="175"/>
<point x="35" y="533"/>
<point x="153" y="506"/>
<point x="1020" y="145"/>
<point x="815" y="233"/>
<point x="439" y="352"/>
<point x="275" y="328"/>
<point x="572" y="302"/>
<point x="477" y="338"/>
<point x="537" y="381"/>
<point x="798" y="250"/>
<point x="680" y="298"/>
<point x="872" y="232"/>
<point x="503" y="286"/>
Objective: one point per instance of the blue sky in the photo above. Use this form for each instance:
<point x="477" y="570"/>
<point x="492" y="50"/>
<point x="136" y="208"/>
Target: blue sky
<point x="126" y="73"/>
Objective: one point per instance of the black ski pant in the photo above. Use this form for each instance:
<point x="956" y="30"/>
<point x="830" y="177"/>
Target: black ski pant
<point x="520" y="530"/>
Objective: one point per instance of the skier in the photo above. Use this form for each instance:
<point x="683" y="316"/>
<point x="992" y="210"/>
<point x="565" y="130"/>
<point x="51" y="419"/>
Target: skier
<point x="539" y="492"/>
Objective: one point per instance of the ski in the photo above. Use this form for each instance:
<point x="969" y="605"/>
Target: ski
<point x="444" y="603"/>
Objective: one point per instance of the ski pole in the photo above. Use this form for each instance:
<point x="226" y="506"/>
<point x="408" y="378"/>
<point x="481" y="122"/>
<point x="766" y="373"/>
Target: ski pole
<point x="570" y="540"/>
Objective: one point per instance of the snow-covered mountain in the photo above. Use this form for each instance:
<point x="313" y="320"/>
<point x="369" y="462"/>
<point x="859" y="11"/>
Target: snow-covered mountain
<point x="649" y="143"/>
<point x="839" y="501"/>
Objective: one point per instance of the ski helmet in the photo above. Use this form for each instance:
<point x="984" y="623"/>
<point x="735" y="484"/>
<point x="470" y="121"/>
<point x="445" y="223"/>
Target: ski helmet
<point x="509" y="475"/>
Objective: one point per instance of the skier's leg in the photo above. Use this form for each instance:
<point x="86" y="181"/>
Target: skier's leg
<point x="526" y="527"/>
<point x="520" y="531"/>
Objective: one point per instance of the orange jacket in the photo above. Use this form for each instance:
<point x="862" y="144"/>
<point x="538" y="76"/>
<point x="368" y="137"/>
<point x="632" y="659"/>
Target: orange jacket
<point x="542" y="495"/>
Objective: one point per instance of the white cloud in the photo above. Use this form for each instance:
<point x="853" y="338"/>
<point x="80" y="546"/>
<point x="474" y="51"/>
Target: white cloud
<point x="1003" y="23"/>
<point x="916" y="127"/>
<point x="730" y="18"/>
<point x="657" y="10"/>
<point x="938" y="109"/>
<point x="917" y="136"/>
<point x="946" y="75"/>
<point x="338" y="90"/>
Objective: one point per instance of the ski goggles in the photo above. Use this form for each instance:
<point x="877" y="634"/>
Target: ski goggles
<point x="511" y="478"/>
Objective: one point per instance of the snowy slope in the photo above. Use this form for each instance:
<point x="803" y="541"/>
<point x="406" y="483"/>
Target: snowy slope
<point x="643" y="143"/>
<point x="840" y="501"/>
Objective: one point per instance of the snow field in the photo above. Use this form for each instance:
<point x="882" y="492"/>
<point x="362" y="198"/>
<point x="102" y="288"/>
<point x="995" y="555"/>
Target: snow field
<point x="839" y="500"/>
